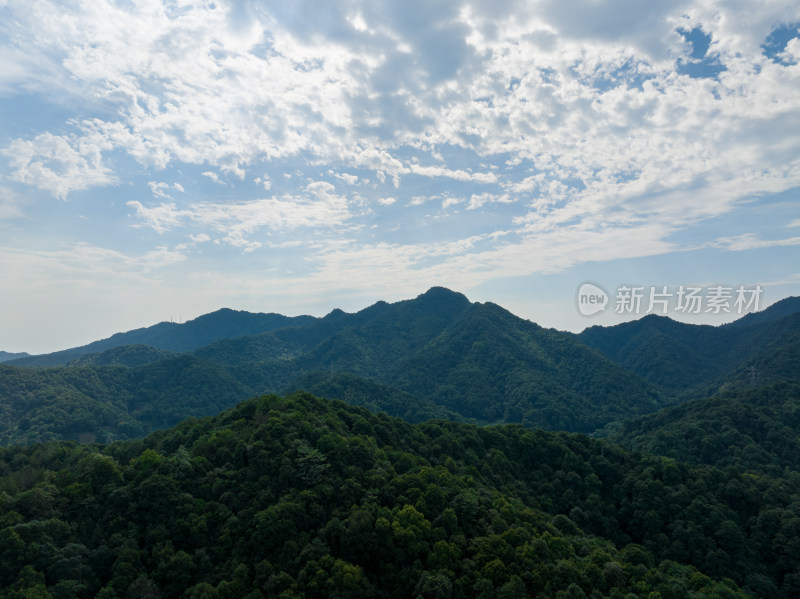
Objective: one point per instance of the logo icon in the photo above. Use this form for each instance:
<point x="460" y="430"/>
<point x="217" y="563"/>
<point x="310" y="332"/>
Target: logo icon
<point x="591" y="299"/>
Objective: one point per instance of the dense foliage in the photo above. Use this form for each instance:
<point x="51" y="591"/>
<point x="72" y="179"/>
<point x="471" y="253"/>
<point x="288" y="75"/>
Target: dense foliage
<point x="752" y="429"/>
<point x="358" y="391"/>
<point x="299" y="497"/>
<point x="698" y="359"/>
<point x="435" y="356"/>
<point x="105" y="403"/>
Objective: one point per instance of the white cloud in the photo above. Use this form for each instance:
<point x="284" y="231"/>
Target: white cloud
<point x="264" y="181"/>
<point x="451" y="201"/>
<point x="458" y="175"/>
<point x="478" y="200"/>
<point x="84" y="262"/>
<point x="60" y="164"/>
<point x="159" y="190"/>
<point x="750" y="241"/>
<point x="161" y="218"/>
<point x="319" y="206"/>
<point x="344" y="177"/>
<point x="213" y="176"/>
<point x="572" y="116"/>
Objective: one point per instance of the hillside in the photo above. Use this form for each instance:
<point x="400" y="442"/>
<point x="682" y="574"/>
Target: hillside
<point x="784" y="307"/>
<point x="679" y="357"/>
<point x="176" y="337"/>
<point x="359" y="391"/>
<point x="125" y="355"/>
<point x="436" y="355"/>
<point x="752" y="428"/>
<point x="299" y="497"/>
<point x="476" y="360"/>
<point x="105" y="403"/>
<point x="6" y="356"/>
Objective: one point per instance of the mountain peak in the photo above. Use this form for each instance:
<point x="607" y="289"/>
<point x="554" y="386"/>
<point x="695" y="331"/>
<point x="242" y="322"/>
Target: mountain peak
<point x="443" y="295"/>
<point x="781" y="308"/>
<point x="8" y="356"/>
<point x="437" y="291"/>
<point x="336" y="313"/>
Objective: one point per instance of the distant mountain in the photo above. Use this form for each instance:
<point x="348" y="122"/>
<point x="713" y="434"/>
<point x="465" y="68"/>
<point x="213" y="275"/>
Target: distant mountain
<point x="494" y="366"/>
<point x="437" y="355"/>
<point x="6" y="356"/>
<point x="364" y="392"/>
<point x="784" y="307"/>
<point x="777" y="359"/>
<point x="678" y="356"/>
<point x="105" y="403"/>
<point x="476" y="360"/>
<point x="175" y="337"/>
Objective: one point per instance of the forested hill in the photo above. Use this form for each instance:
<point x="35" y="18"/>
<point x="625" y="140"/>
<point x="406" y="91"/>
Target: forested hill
<point x="6" y="356"/>
<point x="176" y="337"/>
<point x="753" y="428"/>
<point x="784" y="307"/>
<point x="297" y="496"/>
<point x="477" y="360"/>
<point x="436" y="355"/>
<point x="678" y="356"/>
<point x="300" y="497"/>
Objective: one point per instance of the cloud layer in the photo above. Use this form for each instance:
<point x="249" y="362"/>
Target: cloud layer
<point x="403" y="143"/>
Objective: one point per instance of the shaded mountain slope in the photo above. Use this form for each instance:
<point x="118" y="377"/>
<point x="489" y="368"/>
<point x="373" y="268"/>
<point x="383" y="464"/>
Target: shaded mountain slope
<point x="494" y="366"/>
<point x="6" y="356"/>
<point x="126" y="355"/>
<point x="436" y="355"/>
<point x="110" y="402"/>
<point x="476" y="360"/>
<point x="364" y="392"/>
<point x="184" y="337"/>
<point x="784" y="307"/>
<point x="678" y="356"/>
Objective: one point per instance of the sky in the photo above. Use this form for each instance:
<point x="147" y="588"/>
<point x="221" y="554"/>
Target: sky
<point x="163" y="159"/>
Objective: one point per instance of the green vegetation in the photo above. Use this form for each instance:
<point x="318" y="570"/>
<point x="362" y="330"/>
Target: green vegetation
<point x="304" y="497"/>
<point x="357" y="391"/>
<point x="105" y="403"/>
<point x="299" y="497"/>
<point x="694" y="361"/>
<point x="752" y="429"/>
<point x="126" y="355"/>
<point x="176" y="337"/>
<point x="435" y="356"/>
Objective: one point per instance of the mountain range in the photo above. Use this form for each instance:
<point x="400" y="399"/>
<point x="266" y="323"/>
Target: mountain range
<point x="7" y="356"/>
<point x="679" y="357"/>
<point x="206" y="485"/>
<point x="438" y="355"/>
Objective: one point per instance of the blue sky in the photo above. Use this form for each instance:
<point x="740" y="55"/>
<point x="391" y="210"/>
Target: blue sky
<point x="160" y="160"/>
